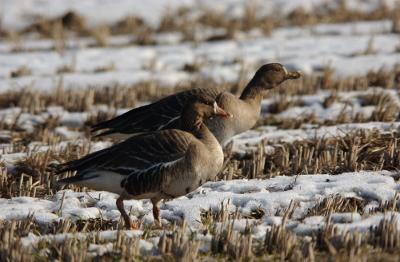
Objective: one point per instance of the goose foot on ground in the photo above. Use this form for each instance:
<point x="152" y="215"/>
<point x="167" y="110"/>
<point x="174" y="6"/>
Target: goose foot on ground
<point x="156" y="213"/>
<point x="129" y="225"/>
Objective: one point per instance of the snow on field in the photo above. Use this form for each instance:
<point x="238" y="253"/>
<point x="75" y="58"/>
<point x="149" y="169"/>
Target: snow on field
<point x="18" y="14"/>
<point x="244" y="196"/>
<point x="251" y="139"/>
<point x="342" y="47"/>
<point x="350" y="49"/>
<point x="349" y="103"/>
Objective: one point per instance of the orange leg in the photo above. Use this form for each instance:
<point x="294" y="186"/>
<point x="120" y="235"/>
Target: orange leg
<point x="128" y="222"/>
<point x="156" y="212"/>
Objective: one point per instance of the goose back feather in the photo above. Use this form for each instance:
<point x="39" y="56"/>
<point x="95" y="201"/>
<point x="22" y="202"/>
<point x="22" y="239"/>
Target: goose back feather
<point x="163" y="114"/>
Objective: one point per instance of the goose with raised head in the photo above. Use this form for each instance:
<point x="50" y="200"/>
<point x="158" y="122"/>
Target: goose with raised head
<point x="156" y="165"/>
<point x="165" y="113"/>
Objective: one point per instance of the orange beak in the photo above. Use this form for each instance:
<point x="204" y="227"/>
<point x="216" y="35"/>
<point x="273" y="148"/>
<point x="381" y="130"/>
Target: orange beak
<point x="292" y="74"/>
<point x="220" y="112"/>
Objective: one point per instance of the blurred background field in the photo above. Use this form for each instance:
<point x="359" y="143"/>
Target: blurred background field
<point x="316" y="179"/>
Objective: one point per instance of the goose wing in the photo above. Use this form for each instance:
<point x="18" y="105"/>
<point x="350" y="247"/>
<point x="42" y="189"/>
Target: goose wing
<point x="156" y="116"/>
<point x="151" y="179"/>
<point x="135" y="154"/>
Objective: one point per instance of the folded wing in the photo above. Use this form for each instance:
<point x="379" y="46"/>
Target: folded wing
<point x="135" y="154"/>
<point x="160" y="115"/>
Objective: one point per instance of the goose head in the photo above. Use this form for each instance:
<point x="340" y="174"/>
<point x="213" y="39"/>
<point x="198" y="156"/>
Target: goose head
<point x="197" y="109"/>
<point x="271" y="75"/>
<point x="204" y="107"/>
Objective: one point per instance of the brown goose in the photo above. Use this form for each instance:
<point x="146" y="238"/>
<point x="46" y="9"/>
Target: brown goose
<point x="165" y="113"/>
<point x="157" y="165"/>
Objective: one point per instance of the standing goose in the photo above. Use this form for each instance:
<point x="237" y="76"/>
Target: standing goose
<point x="165" y="113"/>
<point x="157" y="165"/>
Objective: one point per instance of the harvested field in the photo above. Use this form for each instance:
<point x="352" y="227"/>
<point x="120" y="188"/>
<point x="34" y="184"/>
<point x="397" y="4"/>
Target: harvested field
<point x="317" y="178"/>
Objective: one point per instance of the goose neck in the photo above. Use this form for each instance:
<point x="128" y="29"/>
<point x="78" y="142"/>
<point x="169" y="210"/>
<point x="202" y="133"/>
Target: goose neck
<point x="252" y="94"/>
<point x="195" y="125"/>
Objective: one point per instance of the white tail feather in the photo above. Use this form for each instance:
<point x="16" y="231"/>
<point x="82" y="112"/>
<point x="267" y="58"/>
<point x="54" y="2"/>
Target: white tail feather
<point x="102" y="180"/>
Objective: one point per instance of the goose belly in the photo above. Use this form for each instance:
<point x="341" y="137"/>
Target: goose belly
<point x="194" y="177"/>
<point x="183" y="186"/>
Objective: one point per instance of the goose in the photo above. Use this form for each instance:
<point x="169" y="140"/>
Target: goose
<point x="165" y="113"/>
<point x="157" y="165"/>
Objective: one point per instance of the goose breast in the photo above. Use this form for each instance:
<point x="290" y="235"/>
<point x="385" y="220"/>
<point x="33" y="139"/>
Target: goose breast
<point x="245" y="116"/>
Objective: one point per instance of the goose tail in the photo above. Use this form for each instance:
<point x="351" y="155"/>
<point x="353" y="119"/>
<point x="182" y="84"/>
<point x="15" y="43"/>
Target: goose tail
<point x="97" y="180"/>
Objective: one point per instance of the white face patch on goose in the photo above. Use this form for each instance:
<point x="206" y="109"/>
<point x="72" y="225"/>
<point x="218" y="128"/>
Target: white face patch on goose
<point x="215" y="107"/>
<point x="284" y="69"/>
